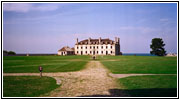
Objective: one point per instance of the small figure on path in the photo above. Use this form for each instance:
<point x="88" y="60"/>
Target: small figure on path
<point x="40" y="69"/>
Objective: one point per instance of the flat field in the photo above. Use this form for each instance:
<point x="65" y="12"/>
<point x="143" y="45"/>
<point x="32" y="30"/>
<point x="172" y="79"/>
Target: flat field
<point x="30" y="64"/>
<point x="140" y="64"/>
<point x="27" y="86"/>
<point x="149" y="86"/>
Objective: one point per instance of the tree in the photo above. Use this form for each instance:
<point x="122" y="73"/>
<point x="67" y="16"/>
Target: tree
<point x="11" y="53"/>
<point x="157" y="47"/>
<point x="5" y="52"/>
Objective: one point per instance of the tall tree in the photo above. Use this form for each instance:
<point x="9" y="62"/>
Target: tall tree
<point x="157" y="47"/>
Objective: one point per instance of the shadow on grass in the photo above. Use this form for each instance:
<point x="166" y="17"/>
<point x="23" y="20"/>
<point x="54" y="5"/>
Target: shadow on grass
<point x="155" y="92"/>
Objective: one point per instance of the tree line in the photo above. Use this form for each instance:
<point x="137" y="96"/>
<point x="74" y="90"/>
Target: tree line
<point x="5" y="52"/>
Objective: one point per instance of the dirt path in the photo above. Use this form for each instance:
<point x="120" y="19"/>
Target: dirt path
<point x="127" y="75"/>
<point x="91" y="81"/>
<point x="94" y="80"/>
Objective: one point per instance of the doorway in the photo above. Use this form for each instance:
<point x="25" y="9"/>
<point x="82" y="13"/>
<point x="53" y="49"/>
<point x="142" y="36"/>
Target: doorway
<point x="93" y="52"/>
<point x="106" y="52"/>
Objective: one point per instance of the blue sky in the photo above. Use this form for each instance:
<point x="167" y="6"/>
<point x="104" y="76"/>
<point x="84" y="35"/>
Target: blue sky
<point x="46" y="27"/>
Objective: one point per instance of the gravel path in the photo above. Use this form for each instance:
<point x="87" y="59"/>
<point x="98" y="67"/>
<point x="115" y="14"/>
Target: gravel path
<point x="94" y="80"/>
<point x="127" y="75"/>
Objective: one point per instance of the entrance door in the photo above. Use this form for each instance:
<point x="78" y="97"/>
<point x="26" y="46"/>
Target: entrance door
<point x="106" y="52"/>
<point x="93" y="52"/>
<point x="81" y="52"/>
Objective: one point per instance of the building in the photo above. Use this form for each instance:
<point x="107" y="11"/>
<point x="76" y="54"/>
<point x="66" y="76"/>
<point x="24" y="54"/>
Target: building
<point x="66" y="51"/>
<point x="171" y="54"/>
<point x="98" y="47"/>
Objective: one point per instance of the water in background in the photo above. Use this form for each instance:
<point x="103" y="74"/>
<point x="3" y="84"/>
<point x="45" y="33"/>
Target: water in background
<point x="137" y="54"/>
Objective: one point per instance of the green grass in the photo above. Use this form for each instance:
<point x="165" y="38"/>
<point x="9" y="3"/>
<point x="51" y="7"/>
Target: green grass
<point x="30" y="64"/>
<point x="140" y="64"/>
<point x="27" y="86"/>
<point x="149" y="85"/>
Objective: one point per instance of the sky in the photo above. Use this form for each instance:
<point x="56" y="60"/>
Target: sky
<point x="47" y="27"/>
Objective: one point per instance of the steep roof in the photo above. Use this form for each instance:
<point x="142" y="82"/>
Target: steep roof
<point x="96" y="41"/>
<point x="66" y="48"/>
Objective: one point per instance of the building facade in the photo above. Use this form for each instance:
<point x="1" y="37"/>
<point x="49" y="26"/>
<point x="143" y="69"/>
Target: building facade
<point x="66" y="51"/>
<point x="98" y="47"/>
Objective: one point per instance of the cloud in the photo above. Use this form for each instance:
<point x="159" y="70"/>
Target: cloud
<point x="17" y="7"/>
<point x="164" y="20"/>
<point x="46" y="7"/>
<point x="25" y="7"/>
<point x="138" y="29"/>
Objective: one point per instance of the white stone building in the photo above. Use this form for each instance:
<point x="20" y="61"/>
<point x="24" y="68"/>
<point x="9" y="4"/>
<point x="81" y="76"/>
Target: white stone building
<point x="66" y="51"/>
<point x="98" y="47"/>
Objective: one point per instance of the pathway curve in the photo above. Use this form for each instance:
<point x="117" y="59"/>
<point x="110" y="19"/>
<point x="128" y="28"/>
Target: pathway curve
<point x="94" y="80"/>
<point x="91" y="81"/>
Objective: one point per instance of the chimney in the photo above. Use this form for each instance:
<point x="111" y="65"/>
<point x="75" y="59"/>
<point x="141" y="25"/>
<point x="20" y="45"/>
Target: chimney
<point x="89" y="41"/>
<point x="77" y="40"/>
<point x="100" y="40"/>
<point x="115" y="39"/>
<point x="118" y="40"/>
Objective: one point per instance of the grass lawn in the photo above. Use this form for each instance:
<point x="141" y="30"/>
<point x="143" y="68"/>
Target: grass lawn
<point x="149" y="85"/>
<point x="27" y="86"/>
<point x="140" y="64"/>
<point x="30" y="64"/>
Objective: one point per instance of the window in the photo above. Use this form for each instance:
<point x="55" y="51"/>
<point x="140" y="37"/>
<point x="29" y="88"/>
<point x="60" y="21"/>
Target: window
<point x="97" y="52"/>
<point x="97" y="47"/>
<point x="111" y="47"/>
<point x="77" y="51"/>
<point x="94" y="47"/>
<point x="106" y="47"/>
<point x="90" y="47"/>
<point x="102" y="52"/>
<point x="86" y="47"/>
<point x="111" y="52"/>
<point x="86" y="52"/>
<point x="90" y="52"/>
<point x="102" y="47"/>
<point x="77" y="47"/>
<point x="81" y="47"/>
